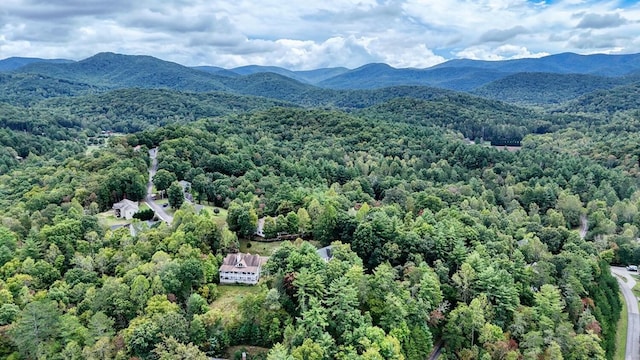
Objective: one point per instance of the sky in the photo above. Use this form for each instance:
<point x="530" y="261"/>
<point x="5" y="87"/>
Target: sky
<point x="311" y="34"/>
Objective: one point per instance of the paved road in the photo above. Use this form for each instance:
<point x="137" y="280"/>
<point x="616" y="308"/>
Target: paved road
<point x="437" y="349"/>
<point x="159" y="210"/>
<point x="633" y="329"/>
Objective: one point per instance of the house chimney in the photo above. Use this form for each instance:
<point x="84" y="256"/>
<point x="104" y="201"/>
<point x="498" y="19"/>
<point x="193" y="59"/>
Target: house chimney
<point x="238" y="258"/>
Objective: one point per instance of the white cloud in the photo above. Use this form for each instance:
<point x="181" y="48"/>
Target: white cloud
<point x="601" y="21"/>
<point x="310" y="34"/>
<point x="502" y="52"/>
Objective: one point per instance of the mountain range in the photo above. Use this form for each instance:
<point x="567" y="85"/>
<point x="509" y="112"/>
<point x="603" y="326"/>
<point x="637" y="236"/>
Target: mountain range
<point x="14" y="63"/>
<point x="543" y="81"/>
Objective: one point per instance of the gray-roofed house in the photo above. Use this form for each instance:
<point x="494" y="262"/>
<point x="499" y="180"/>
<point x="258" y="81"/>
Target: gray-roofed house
<point x="186" y="190"/>
<point x="125" y="209"/>
<point x="326" y="253"/>
<point x="241" y="268"/>
<point x="260" y="228"/>
<point x="185" y="185"/>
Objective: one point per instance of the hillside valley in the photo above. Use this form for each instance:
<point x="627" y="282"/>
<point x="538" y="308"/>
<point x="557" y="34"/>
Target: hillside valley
<point x="390" y="213"/>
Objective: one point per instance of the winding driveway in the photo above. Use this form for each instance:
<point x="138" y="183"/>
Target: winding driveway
<point x="159" y="210"/>
<point x="633" y="329"/>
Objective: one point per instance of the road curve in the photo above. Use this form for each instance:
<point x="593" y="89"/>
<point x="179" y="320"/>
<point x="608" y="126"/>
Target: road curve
<point x="437" y="349"/>
<point x="633" y="329"/>
<point x="159" y="210"/>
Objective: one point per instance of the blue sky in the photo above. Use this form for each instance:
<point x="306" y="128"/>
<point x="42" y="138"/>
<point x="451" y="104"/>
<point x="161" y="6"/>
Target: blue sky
<point x="314" y="34"/>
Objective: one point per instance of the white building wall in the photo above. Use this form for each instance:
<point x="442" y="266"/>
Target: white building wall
<point x="233" y="278"/>
<point x="128" y="214"/>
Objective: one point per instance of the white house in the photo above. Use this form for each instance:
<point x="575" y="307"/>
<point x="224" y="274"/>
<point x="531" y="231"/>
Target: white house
<point x="240" y="268"/>
<point x="125" y="209"/>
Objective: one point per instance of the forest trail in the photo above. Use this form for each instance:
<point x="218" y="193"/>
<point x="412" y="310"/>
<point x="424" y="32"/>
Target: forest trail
<point x="633" y="329"/>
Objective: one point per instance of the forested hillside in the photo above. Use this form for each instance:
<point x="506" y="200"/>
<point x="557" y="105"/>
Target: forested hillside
<point x="621" y="98"/>
<point x="122" y="71"/>
<point x="375" y="76"/>
<point x="436" y="238"/>
<point x="475" y="118"/>
<point x="27" y="89"/>
<point x="545" y="88"/>
<point x="549" y="80"/>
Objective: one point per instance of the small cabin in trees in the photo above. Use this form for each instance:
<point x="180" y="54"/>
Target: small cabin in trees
<point x="125" y="209"/>
<point x="186" y="189"/>
<point x="240" y="268"/>
<point x="326" y="253"/>
<point x="260" y="228"/>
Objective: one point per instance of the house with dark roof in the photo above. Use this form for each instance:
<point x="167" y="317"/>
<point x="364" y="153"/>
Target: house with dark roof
<point x="125" y="209"/>
<point x="241" y="268"/>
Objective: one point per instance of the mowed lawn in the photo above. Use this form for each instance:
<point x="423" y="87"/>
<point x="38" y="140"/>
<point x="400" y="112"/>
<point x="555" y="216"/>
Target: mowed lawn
<point x="234" y="351"/>
<point x="221" y="217"/>
<point x="230" y="297"/>
<point x="108" y="219"/>
<point x="260" y="248"/>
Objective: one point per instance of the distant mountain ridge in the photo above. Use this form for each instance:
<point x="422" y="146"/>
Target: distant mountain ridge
<point x="13" y="63"/>
<point x="564" y="63"/>
<point x="372" y="76"/>
<point x="305" y="76"/>
<point x="107" y="71"/>
<point x="120" y="71"/>
<point x="536" y="81"/>
<point x="467" y="75"/>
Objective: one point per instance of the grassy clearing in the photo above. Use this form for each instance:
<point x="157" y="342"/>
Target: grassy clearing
<point x="161" y="201"/>
<point x="636" y="289"/>
<point x="92" y="148"/>
<point x="108" y="218"/>
<point x="221" y="217"/>
<point x="260" y="248"/>
<point x="230" y="297"/>
<point x="621" y="332"/>
<point x="168" y="209"/>
<point x="250" y="350"/>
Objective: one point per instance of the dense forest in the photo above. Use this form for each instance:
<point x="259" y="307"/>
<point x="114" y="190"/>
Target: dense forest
<point x="439" y="239"/>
